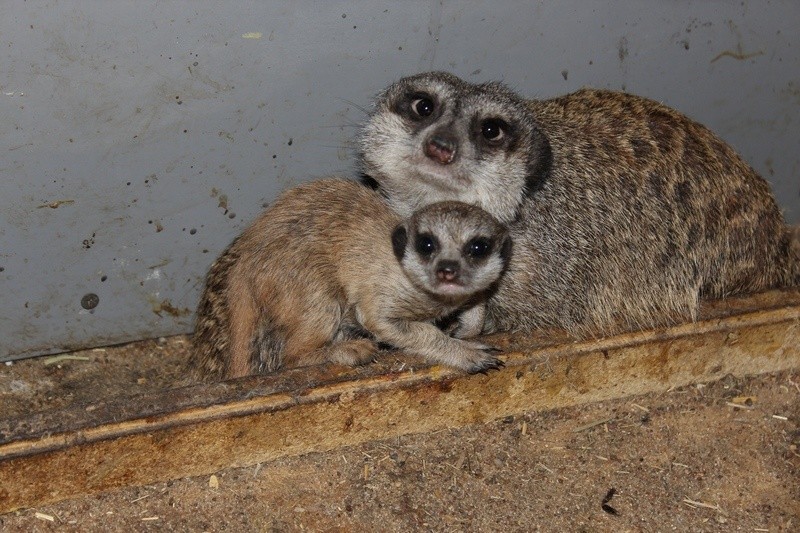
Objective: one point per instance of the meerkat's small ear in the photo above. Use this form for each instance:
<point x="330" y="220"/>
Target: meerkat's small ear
<point x="399" y="241"/>
<point x="505" y="249"/>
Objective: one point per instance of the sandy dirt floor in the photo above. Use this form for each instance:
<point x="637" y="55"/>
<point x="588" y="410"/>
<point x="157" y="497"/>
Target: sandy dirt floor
<point x="55" y="382"/>
<point x="718" y="457"/>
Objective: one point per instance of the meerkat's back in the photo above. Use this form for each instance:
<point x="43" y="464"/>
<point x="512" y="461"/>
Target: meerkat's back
<point x="280" y="278"/>
<point x="644" y="211"/>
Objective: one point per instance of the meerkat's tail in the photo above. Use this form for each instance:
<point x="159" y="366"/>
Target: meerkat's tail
<point x="794" y="252"/>
<point x="210" y="341"/>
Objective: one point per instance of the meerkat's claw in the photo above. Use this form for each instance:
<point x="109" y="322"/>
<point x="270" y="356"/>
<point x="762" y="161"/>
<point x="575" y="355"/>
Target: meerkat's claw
<point x="484" y="366"/>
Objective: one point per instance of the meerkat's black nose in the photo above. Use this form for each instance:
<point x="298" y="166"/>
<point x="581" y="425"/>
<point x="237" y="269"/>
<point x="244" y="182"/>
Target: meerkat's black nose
<point x="447" y="270"/>
<point x="441" y="148"/>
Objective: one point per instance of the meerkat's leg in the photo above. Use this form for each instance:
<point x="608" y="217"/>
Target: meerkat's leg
<point x="349" y="344"/>
<point x="349" y="352"/>
<point x="470" y="322"/>
<point x="243" y="319"/>
<point x="353" y="345"/>
<point x="425" y="339"/>
<point x="353" y="352"/>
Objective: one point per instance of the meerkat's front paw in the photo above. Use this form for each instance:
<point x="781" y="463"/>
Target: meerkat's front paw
<point x="492" y="363"/>
<point x="478" y="358"/>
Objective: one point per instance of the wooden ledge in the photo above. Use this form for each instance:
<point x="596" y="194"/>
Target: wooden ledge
<point x="203" y="428"/>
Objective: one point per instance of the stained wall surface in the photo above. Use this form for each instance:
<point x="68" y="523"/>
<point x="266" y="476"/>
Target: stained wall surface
<point x="137" y="138"/>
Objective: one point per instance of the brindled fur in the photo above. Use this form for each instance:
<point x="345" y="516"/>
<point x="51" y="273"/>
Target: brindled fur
<point x="624" y="212"/>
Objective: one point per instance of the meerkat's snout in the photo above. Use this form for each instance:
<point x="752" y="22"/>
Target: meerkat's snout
<point x="441" y="147"/>
<point x="440" y="259"/>
<point x="447" y="271"/>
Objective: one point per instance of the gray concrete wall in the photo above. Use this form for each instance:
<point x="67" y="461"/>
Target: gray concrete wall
<point x="137" y="138"/>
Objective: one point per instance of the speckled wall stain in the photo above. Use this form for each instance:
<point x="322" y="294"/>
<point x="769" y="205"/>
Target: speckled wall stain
<point x="138" y="138"/>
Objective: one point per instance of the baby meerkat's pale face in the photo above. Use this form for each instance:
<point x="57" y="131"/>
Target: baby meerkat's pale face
<point x="452" y="249"/>
<point x="434" y="137"/>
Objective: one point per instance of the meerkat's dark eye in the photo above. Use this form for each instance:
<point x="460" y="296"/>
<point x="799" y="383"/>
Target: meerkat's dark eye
<point x="494" y="130"/>
<point x="422" y="106"/>
<point x="478" y="248"/>
<point x="426" y="245"/>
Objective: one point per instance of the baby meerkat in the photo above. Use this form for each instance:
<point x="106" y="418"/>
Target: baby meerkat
<point x="623" y="212"/>
<point x="328" y="271"/>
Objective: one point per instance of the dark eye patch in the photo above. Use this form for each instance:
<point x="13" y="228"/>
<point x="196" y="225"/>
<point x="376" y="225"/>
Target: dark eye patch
<point x="426" y="245"/>
<point x="478" y="248"/>
<point x="418" y="106"/>
<point x="495" y="131"/>
<point x="423" y="106"/>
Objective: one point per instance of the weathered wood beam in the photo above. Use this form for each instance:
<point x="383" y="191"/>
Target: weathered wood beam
<point x="200" y="429"/>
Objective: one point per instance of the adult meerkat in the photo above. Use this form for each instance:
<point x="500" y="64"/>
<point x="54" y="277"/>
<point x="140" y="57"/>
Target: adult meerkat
<point x="328" y="270"/>
<point x="623" y="212"/>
